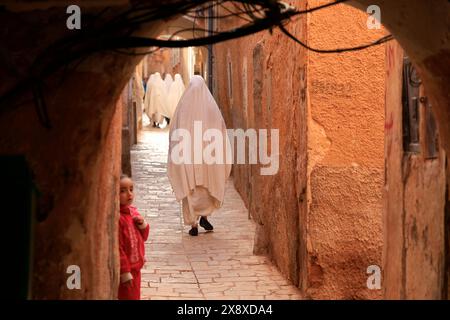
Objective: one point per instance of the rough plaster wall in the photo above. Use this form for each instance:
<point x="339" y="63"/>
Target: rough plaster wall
<point x="393" y="193"/>
<point x="104" y="279"/>
<point x="76" y="163"/>
<point x="345" y="152"/>
<point x="424" y="228"/>
<point x="160" y="61"/>
<point x="414" y="204"/>
<point x="446" y="286"/>
<point x="124" y="102"/>
<point x="280" y="104"/>
<point x="422" y="29"/>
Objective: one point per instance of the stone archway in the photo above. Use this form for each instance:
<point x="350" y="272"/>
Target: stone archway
<point x="422" y="30"/>
<point x="430" y="53"/>
<point x="72" y="161"/>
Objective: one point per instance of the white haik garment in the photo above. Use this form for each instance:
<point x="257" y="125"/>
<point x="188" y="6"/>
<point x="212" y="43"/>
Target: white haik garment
<point x="156" y="99"/>
<point x="200" y="187"/>
<point x="176" y="91"/>
<point x="168" y="80"/>
<point x="148" y="91"/>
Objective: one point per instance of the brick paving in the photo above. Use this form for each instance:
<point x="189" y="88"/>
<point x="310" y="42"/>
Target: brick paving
<point x="214" y="265"/>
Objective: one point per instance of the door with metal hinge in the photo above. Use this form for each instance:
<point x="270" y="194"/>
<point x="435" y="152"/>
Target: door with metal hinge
<point x="410" y="103"/>
<point x="424" y="192"/>
<point x="420" y="133"/>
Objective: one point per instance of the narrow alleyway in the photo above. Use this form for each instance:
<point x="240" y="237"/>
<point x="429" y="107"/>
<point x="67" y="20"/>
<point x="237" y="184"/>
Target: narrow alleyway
<point x="215" y="265"/>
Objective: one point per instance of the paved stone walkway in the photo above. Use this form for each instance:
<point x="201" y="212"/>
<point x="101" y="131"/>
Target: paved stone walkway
<point x="214" y="265"/>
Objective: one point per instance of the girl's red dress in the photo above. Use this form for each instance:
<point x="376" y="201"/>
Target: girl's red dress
<point x="132" y="252"/>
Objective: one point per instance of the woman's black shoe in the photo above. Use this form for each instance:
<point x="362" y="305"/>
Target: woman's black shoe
<point x="193" y="231"/>
<point x="205" y="224"/>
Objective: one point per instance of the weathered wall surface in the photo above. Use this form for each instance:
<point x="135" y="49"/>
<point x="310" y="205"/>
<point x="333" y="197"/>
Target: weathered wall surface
<point x="124" y="103"/>
<point x="76" y="163"/>
<point x="345" y="154"/>
<point x="162" y="61"/>
<point x="410" y="21"/>
<point x="414" y="192"/>
<point x="67" y="159"/>
<point x="330" y="244"/>
<point x="268" y="92"/>
<point x="159" y="61"/>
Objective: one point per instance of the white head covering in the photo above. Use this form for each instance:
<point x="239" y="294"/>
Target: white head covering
<point x="200" y="187"/>
<point x="176" y="91"/>
<point x="155" y="103"/>
<point x="168" y="80"/>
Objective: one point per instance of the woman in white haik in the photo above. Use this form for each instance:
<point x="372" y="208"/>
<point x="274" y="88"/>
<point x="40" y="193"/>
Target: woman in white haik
<point x="155" y="102"/>
<point x="176" y="91"/>
<point x="148" y="91"/>
<point x="200" y="187"/>
<point x="148" y="86"/>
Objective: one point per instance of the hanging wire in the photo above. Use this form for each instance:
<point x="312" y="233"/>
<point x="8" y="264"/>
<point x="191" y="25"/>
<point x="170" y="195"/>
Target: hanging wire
<point x="116" y="34"/>
<point x="338" y="50"/>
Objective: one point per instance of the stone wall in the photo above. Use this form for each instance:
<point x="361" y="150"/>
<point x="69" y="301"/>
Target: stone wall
<point x="319" y="218"/>
<point x="345" y="153"/>
<point x="75" y="162"/>
<point x="264" y="95"/>
<point x="76" y="165"/>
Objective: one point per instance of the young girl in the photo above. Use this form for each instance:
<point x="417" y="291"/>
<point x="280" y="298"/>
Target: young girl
<point x="133" y="232"/>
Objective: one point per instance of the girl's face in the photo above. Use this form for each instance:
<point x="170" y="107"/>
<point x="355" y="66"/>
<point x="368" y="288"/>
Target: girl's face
<point x="126" y="191"/>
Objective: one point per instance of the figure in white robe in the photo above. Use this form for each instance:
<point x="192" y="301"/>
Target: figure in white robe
<point x="156" y="100"/>
<point x="168" y="80"/>
<point x="148" y="90"/>
<point x="176" y="91"/>
<point x="201" y="186"/>
<point x="150" y="80"/>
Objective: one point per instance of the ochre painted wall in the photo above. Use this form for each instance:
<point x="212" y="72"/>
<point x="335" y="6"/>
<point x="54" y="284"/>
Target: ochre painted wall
<point x="345" y="154"/>
<point x="330" y="110"/>
<point x="276" y="99"/>
<point x="75" y="163"/>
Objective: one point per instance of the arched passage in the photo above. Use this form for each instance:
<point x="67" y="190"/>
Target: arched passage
<point x="72" y="161"/>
